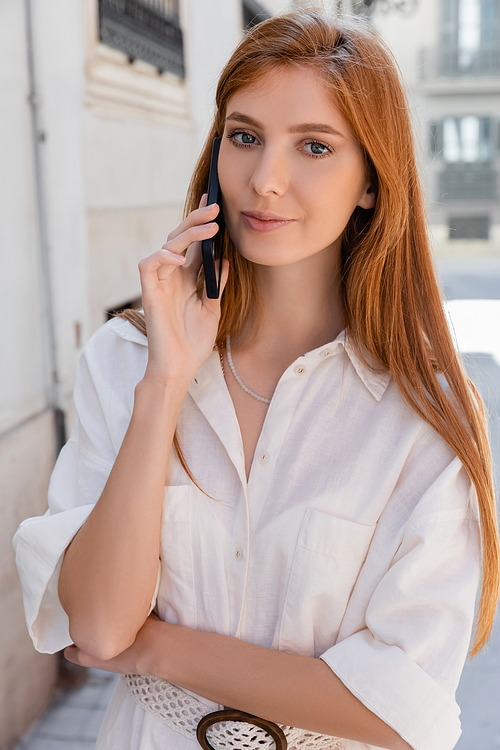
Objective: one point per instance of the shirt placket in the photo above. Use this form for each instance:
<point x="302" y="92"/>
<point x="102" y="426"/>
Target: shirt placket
<point x="271" y="440"/>
<point x="276" y="426"/>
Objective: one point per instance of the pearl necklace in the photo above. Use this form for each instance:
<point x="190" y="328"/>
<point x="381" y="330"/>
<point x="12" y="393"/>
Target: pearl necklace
<point x="236" y="376"/>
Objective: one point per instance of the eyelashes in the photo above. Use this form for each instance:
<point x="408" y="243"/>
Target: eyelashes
<point x="232" y="137"/>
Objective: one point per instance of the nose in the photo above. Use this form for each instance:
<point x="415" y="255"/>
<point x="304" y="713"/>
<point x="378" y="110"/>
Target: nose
<point x="271" y="173"/>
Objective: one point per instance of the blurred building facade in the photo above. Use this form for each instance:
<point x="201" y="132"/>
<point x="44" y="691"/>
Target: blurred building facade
<point x="449" y="53"/>
<point x="104" y="106"/>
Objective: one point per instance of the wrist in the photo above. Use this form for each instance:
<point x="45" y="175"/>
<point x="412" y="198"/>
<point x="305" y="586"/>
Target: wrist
<point x="165" y="388"/>
<point x="155" y="642"/>
<point x="150" y="641"/>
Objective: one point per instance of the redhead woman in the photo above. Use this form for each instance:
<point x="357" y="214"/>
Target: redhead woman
<point x="279" y="501"/>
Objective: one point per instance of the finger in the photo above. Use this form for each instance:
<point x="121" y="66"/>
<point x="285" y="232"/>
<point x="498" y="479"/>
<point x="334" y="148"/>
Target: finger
<point x="162" y="258"/>
<point x="71" y="654"/>
<point x="203" y="200"/>
<point x="197" y="233"/>
<point x="158" y="266"/>
<point x="193" y="261"/>
<point x="200" y="215"/>
<point x="77" y="656"/>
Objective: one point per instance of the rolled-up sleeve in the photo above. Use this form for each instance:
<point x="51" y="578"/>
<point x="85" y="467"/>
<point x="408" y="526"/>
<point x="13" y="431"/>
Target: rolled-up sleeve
<point x="406" y="663"/>
<point x="78" y="479"/>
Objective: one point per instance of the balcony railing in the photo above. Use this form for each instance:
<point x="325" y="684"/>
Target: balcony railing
<point x="450" y="62"/>
<point x="147" y="30"/>
<point x="468" y="182"/>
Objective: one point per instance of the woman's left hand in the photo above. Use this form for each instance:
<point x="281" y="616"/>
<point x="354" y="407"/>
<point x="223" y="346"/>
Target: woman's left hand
<point x="130" y="661"/>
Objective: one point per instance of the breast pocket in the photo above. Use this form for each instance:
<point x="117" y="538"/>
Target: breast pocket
<point x="176" y="594"/>
<point x="328" y="557"/>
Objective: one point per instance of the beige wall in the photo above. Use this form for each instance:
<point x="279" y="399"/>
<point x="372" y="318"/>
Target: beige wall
<point x="26" y="434"/>
<point x="118" y="239"/>
<point x="27" y="677"/>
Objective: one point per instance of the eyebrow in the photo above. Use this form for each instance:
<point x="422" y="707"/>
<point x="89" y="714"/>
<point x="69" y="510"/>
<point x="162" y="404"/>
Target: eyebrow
<point x="305" y="127"/>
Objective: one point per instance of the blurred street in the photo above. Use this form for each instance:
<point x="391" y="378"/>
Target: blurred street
<point x="473" y="281"/>
<point x="73" y="720"/>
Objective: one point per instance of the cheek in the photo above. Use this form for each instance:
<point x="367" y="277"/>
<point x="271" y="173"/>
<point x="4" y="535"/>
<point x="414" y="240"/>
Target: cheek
<point x="345" y="187"/>
<point x="332" y="199"/>
<point x="329" y="204"/>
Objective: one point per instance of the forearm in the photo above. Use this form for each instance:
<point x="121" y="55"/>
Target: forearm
<point x="109" y="570"/>
<point x="285" y="688"/>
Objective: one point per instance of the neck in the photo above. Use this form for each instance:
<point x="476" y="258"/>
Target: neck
<point x="300" y="305"/>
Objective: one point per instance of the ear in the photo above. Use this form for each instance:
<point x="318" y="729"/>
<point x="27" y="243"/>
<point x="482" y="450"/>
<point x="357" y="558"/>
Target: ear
<point x="368" y="198"/>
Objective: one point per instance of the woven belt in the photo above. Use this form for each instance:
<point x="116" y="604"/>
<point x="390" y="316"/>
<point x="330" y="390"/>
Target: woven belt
<point x="219" y="730"/>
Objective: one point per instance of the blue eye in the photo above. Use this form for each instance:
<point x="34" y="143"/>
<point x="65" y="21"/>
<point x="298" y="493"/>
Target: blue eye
<point x="242" y="138"/>
<point x="318" y="149"/>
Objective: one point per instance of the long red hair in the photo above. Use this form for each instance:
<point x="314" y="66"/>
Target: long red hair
<point x="393" y="303"/>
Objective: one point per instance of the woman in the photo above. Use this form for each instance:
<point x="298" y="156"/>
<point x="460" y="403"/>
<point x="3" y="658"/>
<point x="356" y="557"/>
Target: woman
<point x="307" y="460"/>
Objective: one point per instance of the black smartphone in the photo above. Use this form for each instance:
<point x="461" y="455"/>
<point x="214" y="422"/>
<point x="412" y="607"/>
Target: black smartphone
<point x="214" y="247"/>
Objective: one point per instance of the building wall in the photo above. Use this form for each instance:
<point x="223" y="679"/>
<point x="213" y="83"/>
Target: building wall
<point x="22" y="397"/>
<point x="27" y="678"/>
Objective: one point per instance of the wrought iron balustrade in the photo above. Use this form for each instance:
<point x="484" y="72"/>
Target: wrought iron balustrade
<point x="464" y="181"/>
<point x="147" y="30"/>
<point x="449" y="61"/>
<point x="469" y="228"/>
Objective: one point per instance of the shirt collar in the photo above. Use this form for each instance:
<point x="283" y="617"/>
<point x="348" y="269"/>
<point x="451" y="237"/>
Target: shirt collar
<point x="127" y="331"/>
<point x="368" y="369"/>
<point x="371" y="375"/>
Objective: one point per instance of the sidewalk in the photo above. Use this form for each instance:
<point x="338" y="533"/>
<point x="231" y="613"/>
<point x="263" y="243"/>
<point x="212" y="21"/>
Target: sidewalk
<point x="72" y="720"/>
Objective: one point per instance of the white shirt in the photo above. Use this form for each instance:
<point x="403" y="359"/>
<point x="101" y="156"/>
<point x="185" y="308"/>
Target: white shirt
<point x="355" y="539"/>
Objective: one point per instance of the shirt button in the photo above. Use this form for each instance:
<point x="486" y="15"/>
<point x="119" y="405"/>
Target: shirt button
<point x="300" y="370"/>
<point x="238" y="553"/>
<point x="264" y="458"/>
<point x="326" y="352"/>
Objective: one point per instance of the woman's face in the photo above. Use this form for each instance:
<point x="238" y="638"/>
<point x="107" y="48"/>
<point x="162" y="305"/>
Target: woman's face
<point x="290" y="170"/>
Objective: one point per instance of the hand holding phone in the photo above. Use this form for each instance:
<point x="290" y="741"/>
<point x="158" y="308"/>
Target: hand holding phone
<point x="214" y="246"/>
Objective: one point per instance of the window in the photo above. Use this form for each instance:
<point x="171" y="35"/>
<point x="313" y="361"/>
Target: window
<point x="467" y="139"/>
<point x="467" y="147"/>
<point x="147" y="30"/>
<point x="470" y="38"/>
<point x="469" y="32"/>
<point x="468" y="182"/>
<point x="253" y="13"/>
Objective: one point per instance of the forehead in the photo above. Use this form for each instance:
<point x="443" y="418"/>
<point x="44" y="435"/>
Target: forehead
<point x="290" y="94"/>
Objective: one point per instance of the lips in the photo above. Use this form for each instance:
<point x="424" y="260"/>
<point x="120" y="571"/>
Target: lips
<point x="263" y="221"/>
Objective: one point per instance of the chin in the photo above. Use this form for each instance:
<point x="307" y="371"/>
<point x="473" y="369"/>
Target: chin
<point x="269" y="259"/>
